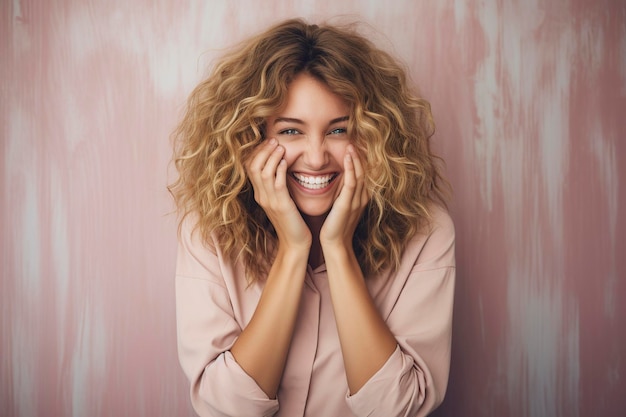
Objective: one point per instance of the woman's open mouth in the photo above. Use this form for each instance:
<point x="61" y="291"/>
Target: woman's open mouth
<point x="314" y="182"/>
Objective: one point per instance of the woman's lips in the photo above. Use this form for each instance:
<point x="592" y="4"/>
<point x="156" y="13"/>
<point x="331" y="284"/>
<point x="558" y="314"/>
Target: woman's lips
<point x="314" y="182"/>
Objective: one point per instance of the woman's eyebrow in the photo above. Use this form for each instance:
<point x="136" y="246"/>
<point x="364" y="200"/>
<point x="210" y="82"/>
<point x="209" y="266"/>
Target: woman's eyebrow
<point x="288" y="120"/>
<point x="339" y="119"/>
<point x="298" y="121"/>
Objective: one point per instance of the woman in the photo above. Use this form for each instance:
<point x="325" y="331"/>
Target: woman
<point x="315" y="269"/>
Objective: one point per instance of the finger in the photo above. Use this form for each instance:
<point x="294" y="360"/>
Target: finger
<point x="348" y="171"/>
<point x="359" y="172"/>
<point x="346" y="195"/>
<point x="262" y="190"/>
<point x="268" y="172"/>
<point x="259" y="160"/>
<point x="361" y="192"/>
<point x="356" y="182"/>
<point x="281" y="175"/>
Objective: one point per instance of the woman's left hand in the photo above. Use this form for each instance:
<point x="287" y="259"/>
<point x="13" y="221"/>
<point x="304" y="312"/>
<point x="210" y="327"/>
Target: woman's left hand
<point x="341" y="222"/>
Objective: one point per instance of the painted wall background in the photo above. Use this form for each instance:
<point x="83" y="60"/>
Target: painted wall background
<point x="530" y="100"/>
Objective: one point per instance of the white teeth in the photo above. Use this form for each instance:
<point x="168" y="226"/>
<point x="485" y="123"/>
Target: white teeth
<point x="313" y="183"/>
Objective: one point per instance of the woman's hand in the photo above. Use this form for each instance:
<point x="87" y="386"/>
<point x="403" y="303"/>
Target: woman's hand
<point x="365" y="339"/>
<point x="267" y="171"/>
<point x="339" y="226"/>
<point x="263" y="345"/>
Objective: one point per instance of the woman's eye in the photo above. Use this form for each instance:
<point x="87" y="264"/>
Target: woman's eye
<point x="289" y="132"/>
<point x="338" y="131"/>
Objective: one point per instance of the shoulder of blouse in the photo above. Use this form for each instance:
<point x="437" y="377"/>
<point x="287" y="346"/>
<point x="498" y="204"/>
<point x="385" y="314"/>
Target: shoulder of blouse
<point x="434" y="247"/>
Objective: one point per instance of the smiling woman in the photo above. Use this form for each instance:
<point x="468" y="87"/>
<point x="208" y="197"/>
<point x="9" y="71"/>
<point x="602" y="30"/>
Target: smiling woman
<point x="316" y="265"/>
<point x="312" y="130"/>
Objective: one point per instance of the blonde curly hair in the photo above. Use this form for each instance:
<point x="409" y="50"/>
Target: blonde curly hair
<point x="225" y="120"/>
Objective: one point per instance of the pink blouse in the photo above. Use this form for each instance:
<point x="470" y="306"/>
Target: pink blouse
<point x="214" y="303"/>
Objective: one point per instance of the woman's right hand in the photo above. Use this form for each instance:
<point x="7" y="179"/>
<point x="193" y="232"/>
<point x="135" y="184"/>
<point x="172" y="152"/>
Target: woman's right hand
<point x="267" y="171"/>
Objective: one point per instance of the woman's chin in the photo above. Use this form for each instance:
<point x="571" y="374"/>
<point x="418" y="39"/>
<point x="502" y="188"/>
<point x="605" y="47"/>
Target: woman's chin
<point x="314" y="212"/>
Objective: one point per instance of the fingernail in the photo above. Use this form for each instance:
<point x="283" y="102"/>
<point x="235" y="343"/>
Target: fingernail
<point x="272" y="141"/>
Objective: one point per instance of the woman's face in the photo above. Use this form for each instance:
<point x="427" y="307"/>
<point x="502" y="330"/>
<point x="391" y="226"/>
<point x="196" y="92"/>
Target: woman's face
<point x="312" y="127"/>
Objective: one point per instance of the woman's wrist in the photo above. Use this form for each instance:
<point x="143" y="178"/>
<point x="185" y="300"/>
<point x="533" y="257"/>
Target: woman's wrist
<point x="334" y="253"/>
<point x="293" y="252"/>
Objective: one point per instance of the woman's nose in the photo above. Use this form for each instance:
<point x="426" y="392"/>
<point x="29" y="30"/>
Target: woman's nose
<point x="316" y="155"/>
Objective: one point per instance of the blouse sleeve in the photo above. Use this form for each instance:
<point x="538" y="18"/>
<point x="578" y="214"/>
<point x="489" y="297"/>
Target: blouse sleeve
<point x="413" y="381"/>
<point x="206" y="330"/>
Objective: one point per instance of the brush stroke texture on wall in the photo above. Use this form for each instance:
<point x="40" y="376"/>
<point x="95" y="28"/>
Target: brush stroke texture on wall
<point x="530" y="103"/>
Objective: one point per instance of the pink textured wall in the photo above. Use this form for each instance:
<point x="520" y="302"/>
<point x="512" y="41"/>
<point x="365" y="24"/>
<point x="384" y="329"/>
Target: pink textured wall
<point x="530" y="100"/>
